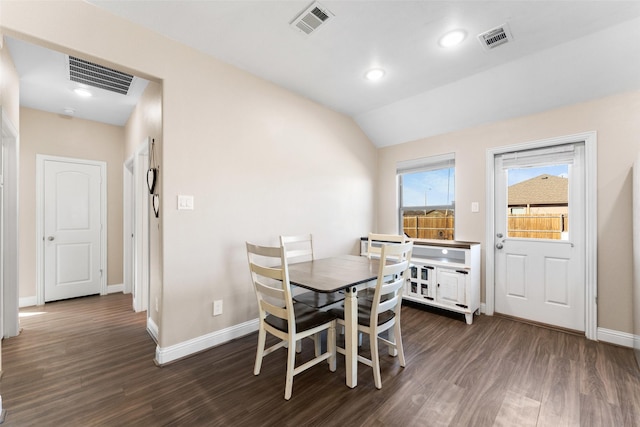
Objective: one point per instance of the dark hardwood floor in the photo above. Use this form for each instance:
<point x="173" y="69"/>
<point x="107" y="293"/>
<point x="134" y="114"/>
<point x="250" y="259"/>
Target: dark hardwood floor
<point x="89" y="362"/>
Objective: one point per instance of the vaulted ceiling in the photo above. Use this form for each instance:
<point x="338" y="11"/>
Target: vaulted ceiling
<point x="558" y="53"/>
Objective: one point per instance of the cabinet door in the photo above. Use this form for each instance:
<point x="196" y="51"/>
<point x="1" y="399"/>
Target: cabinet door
<point x="421" y="283"/>
<point x="451" y="287"/>
<point x="427" y="288"/>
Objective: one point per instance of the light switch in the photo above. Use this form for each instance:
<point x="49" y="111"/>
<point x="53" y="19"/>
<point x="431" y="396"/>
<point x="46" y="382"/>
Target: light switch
<point x="475" y="207"/>
<point x="185" y="202"/>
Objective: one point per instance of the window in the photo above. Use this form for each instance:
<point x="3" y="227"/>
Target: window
<point x="538" y="183"/>
<point x="426" y="189"/>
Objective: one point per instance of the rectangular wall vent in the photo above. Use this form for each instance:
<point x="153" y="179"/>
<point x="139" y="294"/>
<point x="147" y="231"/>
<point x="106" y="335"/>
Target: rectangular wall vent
<point x="495" y="37"/>
<point x="95" y="75"/>
<point x="311" y="18"/>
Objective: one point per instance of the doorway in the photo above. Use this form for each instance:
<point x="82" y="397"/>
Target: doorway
<point x="71" y="207"/>
<point x="543" y="272"/>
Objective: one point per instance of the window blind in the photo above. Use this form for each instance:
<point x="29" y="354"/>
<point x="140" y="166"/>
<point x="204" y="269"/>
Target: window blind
<point x="556" y="155"/>
<point x="423" y="164"/>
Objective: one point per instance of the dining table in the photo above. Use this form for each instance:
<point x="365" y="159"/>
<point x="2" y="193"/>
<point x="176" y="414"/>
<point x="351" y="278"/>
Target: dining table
<point x="348" y="273"/>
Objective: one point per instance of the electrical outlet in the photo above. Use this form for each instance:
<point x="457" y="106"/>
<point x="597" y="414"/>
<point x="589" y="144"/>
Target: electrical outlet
<point x="157" y="309"/>
<point x="217" y="307"/>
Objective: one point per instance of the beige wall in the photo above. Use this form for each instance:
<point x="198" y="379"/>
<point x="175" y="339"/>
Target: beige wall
<point x="146" y="121"/>
<point x="616" y="121"/>
<point x="260" y="161"/>
<point x="57" y="135"/>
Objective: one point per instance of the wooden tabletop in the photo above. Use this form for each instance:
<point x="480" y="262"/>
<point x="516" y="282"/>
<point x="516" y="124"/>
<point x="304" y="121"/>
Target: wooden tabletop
<point x="333" y="274"/>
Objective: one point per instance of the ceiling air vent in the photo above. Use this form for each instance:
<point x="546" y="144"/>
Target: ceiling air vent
<point x="495" y="37"/>
<point x="311" y="18"/>
<point x="95" y="75"/>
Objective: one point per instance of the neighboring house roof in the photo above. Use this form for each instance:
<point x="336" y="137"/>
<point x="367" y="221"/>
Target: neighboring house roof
<point x="541" y="190"/>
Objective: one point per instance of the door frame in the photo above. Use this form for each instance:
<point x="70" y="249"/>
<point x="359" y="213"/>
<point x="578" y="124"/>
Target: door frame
<point x="591" y="225"/>
<point x="40" y="160"/>
<point x="136" y="222"/>
<point x="10" y="229"/>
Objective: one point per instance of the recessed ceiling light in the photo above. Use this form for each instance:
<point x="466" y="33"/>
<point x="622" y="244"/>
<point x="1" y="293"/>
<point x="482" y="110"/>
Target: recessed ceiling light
<point x="374" y="74"/>
<point x="69" y="111"/>
<point x="452" y="38"/>
<point x="82" y="92"/>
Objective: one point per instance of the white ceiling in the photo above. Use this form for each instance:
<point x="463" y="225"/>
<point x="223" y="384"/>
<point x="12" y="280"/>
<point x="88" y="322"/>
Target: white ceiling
<point x="562" y="52"/>
<point x="45" y="85"/>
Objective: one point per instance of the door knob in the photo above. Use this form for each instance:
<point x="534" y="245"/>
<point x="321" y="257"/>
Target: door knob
<point x="50" y="238"/>
<point x="499" y="245"/>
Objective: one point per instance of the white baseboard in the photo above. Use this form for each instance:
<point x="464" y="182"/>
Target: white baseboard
<point x="204" y="342"/>
<point x="616" y="337"/>
<point x="27" y="302"/>
<point x="112" y="289"/>
<point x="152" y="328"/>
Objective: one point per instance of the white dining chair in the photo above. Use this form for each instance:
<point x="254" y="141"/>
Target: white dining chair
<point x="382" y="313"/>
<point x="299" y="249"/>
<point x="283" y="319"/>
<point x="374" y="246"/>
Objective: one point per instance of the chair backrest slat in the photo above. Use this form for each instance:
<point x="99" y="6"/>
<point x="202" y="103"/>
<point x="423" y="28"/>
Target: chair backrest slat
<point x="376" y="240"/>
<point x="297" y="248"/>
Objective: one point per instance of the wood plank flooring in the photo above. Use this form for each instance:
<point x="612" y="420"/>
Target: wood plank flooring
<point x="89" y="362"/>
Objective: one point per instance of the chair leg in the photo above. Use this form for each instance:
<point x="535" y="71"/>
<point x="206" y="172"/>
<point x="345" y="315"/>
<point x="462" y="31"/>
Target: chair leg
<point x="262" y="338"/>
<point x="392" y="348"/>
<point x="398" y="341"/>
<point x="331" y="347"/>
<point x="299" y="346"/>
<point x="317" y="343"/>
<point x="375" y="358"/>
<point x="291" y="361"/>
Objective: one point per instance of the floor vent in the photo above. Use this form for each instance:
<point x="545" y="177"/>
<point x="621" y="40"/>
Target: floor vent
<point x="496" y="37"/>
<point x="88" y="73"/>
<point x="311" y="18"/>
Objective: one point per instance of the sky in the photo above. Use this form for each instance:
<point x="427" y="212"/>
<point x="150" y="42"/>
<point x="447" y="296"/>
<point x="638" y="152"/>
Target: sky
<point x="438" y="187"/>
<point x="518" y="175"/>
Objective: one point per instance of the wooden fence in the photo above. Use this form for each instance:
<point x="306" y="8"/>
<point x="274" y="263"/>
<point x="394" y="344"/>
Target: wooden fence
<point x="543" y="226"/>
<point x="425" y="227"/>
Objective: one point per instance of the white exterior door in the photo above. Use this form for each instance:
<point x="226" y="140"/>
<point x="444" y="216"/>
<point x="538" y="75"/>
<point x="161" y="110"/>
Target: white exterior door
<point x="539" y="277"/>
<point x="72" y="225"/>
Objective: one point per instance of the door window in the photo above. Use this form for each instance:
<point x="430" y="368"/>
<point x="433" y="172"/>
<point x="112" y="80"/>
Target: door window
<point x="538" y="186"/>
<point x="538" y="202"/>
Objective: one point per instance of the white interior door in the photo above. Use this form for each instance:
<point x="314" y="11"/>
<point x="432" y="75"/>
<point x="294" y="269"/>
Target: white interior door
<point x="538" y="277"/>
<point x="72" y="195"/>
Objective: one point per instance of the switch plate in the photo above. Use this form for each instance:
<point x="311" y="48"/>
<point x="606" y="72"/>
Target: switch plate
<point x="475" y="207"/>
<point x="185" y="202"/>
<point x="217" y="307"/>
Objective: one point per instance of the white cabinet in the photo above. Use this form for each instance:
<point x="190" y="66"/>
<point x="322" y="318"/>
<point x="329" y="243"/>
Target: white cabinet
<point x="444" y="274"/>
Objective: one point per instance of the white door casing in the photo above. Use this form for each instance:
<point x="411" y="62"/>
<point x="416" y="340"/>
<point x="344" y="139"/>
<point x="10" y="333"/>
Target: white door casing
<point x="539" y="274"/>
<point x="10" y="228"/>
<point x="72" y="237"/>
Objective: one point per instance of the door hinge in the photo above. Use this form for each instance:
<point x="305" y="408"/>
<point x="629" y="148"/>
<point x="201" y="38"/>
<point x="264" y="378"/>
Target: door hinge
<point x="100" y="272"/>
